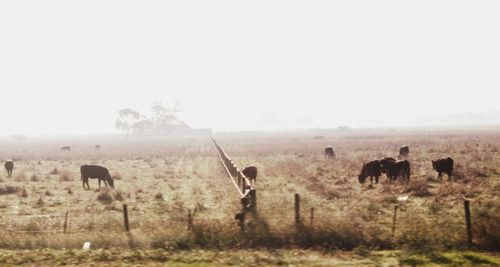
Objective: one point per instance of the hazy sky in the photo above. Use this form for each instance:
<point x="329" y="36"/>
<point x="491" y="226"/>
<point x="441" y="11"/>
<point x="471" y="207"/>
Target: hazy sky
<point x="68" y="66"/>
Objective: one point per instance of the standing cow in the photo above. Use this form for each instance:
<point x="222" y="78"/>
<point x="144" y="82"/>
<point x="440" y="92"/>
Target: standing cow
<point x="329" y="153"/>
<point x="251" y="173"/>
<point x="95" y="171"/>
<point x="404" y="151"/>
<point x="9" y="166"/>
<point x="443" y="165"/>
<point x="395" y="169"/>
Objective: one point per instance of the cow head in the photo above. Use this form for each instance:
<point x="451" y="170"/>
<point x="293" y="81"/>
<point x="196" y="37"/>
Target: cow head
<point x="110" y="181"/>
<point x="361" y="179"/>
<point x="434" y="164"/>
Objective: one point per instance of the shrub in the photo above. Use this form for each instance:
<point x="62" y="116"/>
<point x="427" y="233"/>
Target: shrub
<point x="159" y="196"/>
<point x="66" y="176"/>
<point x="116" y="176"/>
<point x="20" y="177"/>
<point x="105" y="196"/>
<point x="418" y="188"/>
<point x="34" y="178"/>
<point x="23" y="193"/>
<point x="118" y="195"/>
<point x="7" y="189"/>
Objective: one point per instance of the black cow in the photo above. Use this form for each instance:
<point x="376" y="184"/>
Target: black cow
<point x="251" y="173"/>
<point x="443" y="165"/>
<point x="9" y="166"/>
<point x="66" y="148"/>
<point x="97" y="147"/>
<point x="329" y="153"/>
<point x="95" y="171"/>
<point x="385" y="162"/>
<point x="372" y="169"/>
<point x="404" y="151"/>
<point x="394" y="169"/>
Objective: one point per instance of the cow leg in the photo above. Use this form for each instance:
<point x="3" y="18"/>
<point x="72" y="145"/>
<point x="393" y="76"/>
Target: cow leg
<point x="376" y="179"/>
<point x="85" y="181"/>
<point x="440" y="176"/>
<point x="99" y="179"/>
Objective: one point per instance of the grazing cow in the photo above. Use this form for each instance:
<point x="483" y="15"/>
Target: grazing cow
<point x="395" y="169"/>
<point x="97" y="147"/>
<point x="372" y="169"/>
<point x="251" y="173"/>
<point x="443" y="165"/>
<point x="9" y="166"/>
<point x="404" y="151"/>
<point x="385" y="162"/>
<point x="95" y="171"/>
<point x="329" y="153"/>
<point x="66" y="148"/>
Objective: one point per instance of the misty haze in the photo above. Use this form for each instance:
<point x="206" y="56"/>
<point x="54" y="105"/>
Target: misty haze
<point x="260" y="133"/>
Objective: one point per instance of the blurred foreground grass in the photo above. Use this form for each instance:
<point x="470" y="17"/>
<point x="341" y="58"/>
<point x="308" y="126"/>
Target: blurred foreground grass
<point x="292" y="257"/>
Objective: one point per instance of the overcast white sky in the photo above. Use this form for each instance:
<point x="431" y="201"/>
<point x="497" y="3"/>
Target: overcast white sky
<point x="67" y="67"/>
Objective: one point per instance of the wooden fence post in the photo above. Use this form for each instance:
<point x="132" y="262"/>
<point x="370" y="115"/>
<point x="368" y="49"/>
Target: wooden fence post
<point x="297" y="209"/>
<point x="468" y="222"/>
<point x="125" y="217"/>
<point x="241" y="216"/>
<point x="253" y="199"/>
<point x="394" y="220"/>
<point x="190" y="220"/>
<point x="312" y="216"/>
<point x="243" y="185"/>
<point x="65" y="221"/>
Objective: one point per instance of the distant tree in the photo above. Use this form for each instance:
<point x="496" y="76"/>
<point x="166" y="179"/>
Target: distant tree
<point x="126" y="120"/>
<point x="162" y="121"/>
<point x="142" y="125"/>
<point x="165" y="119"/>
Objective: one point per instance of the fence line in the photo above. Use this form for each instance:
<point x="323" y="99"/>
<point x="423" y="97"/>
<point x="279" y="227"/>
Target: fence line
<point x="248" y="195"/>
<point x="238" y="179"/>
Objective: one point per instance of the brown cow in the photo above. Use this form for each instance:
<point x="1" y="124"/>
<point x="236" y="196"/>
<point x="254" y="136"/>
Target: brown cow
<point x="372" y="169"/>
<point x="9" y="166"/>
<point x="443" y="165"/>
<point x="251" y="173"/>
<point x="95" y="171"/>
<point x="395" y="169"/>
<point x="404" y="151"/>
<point x="329" y="153"/>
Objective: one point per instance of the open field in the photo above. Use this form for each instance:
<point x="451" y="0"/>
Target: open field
<point x="161" y="179"/>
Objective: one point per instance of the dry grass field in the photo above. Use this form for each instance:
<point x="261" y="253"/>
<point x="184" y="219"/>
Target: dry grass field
<point x="162" y="179"/>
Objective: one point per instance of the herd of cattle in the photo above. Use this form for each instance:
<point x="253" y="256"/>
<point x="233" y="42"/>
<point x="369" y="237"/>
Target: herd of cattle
<point x="373" y="169"/>
<point x="395" y="168"/>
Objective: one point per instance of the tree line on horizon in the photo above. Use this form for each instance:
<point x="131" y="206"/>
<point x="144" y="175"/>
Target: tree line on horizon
<point x="162" y="121"/>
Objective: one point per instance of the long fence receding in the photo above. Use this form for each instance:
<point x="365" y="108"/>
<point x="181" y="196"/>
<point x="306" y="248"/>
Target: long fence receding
<point x="242" y="184"/>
